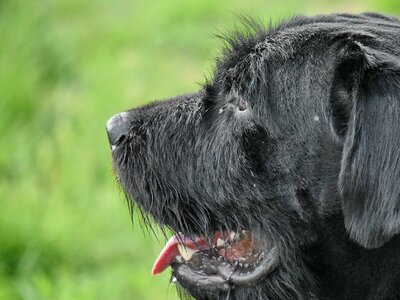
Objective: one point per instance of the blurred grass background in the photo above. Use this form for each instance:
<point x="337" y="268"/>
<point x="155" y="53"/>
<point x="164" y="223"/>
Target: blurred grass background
<point x="66" y="66"/>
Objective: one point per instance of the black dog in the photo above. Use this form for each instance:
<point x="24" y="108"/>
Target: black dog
<point x="282" y="175"/>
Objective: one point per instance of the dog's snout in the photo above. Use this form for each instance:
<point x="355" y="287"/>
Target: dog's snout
<point x="117" y="128"/>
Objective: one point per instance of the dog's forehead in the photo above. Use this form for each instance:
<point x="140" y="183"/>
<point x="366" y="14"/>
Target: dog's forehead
<point x="246" y="54"/>
<point x="244" y="61"/>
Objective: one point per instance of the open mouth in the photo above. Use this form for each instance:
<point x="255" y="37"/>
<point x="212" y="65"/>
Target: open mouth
<point x="218" y="263"/>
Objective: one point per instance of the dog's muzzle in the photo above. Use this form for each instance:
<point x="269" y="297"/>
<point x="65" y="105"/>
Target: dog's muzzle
<point x="117" y="129"/>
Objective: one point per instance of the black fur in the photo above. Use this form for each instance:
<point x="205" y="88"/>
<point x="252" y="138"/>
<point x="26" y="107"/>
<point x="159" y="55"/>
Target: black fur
<point x="297" y="137"/>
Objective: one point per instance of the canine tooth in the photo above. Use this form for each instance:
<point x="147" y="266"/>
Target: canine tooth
<point x="186" y="252"/>
<point x="232" y="235"/>
<point x="261" y="256"/>
<point x="174" y="280"/>
<point x="179" y="259"/>
<point x="220" y="243"/>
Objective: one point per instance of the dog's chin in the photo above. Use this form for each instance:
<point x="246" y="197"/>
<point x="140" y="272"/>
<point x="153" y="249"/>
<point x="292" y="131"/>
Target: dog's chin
<point x="218" y="264"/>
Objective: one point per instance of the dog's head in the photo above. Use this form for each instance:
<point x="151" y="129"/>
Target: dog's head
<point x="299" y="128"/>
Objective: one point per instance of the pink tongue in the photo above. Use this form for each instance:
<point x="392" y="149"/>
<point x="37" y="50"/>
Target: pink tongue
<point x="170" y="251"/>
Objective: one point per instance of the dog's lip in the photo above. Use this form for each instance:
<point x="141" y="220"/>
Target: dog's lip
<point x="171" y="250"/>
<point x="234" y="258"/>
<point x="213" y="276"/>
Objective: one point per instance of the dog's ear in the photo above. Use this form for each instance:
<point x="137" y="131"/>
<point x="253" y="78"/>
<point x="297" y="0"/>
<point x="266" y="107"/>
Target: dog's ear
<point x="365" y="102"/>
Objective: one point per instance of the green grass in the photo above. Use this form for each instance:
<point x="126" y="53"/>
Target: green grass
<point x="66" y="66"/>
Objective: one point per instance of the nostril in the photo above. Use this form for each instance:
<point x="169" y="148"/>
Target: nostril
<point x="117" y="141"/>
<point x="117" y="128"/>
<point x="120" y="139"/>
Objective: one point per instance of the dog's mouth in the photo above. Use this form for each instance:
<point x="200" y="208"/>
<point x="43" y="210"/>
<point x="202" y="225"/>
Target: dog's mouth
<point x="219" y="263"/>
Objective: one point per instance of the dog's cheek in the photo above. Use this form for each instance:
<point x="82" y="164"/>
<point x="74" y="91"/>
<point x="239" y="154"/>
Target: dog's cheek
<point x="259" y="148"/>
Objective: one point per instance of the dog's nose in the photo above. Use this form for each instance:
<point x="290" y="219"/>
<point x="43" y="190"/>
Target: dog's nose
<point x="117" y="128"/>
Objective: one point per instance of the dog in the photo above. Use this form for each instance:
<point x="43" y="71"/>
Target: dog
<point x="281" y="177"/>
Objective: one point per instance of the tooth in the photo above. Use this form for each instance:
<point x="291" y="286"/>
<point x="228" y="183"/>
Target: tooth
<point x="186" y="252"/>
<point x="220" y="243"/>
<point x="174" y="280"/>
<point x="261" y="256"/>
<point x="232" y="235"/>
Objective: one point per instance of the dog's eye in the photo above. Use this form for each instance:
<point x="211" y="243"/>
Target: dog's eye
<point x="242" y="105"/>
<point x="234" y="104"/>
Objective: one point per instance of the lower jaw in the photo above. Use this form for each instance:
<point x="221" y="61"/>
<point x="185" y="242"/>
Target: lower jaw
<point x="209" y="274"/>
